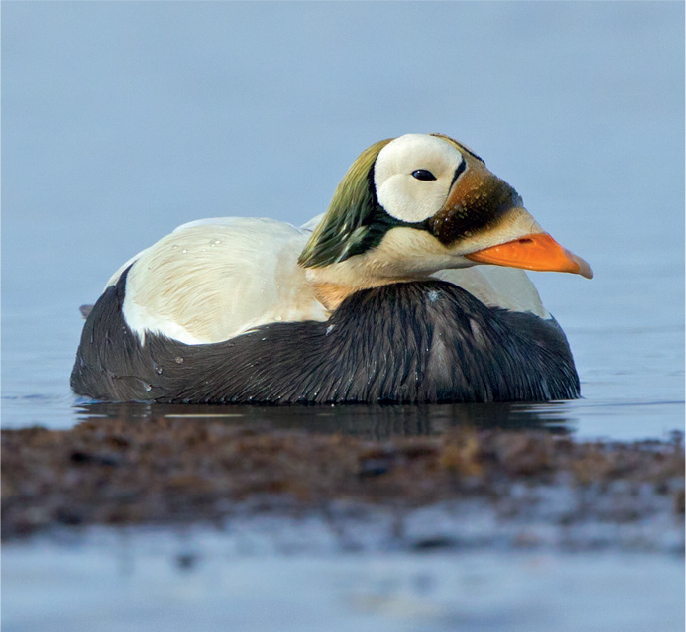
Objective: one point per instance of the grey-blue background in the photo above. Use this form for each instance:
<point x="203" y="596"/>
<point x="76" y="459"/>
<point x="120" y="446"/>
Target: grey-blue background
<point x="121" y="120"/>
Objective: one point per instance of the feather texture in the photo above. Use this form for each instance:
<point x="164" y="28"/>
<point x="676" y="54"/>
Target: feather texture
<point x="212" y="280"/>
<point x="409" y="342"/>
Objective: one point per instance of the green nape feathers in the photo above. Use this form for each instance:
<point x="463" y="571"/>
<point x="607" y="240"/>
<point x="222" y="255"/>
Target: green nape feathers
<point x="344" y="230"/>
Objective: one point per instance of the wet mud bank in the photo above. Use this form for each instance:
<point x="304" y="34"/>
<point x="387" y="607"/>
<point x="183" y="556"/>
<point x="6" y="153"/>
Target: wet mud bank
<point x="462" y="487"/>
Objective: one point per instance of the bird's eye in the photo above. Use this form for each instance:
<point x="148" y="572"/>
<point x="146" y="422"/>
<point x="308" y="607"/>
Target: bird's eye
<point x="423" y="174"/>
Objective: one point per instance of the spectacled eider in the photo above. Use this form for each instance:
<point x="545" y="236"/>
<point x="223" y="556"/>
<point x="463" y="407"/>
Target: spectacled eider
<point x="380" y="302"/>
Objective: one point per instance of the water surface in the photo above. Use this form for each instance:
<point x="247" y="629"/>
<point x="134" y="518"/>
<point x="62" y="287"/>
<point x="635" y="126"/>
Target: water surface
<point x="129" y="581"/>
<point x="123" y="120"/>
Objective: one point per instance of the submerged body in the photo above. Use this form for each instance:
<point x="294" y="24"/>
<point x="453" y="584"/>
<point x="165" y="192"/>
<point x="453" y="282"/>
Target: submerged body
<point x="249" y="310"/>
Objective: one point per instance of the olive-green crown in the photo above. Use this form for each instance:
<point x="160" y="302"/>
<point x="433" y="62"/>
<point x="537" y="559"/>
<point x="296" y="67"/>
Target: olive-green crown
<point x="345" y="225"/>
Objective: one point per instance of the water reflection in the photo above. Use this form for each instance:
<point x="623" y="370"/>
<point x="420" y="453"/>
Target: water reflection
<point x="373" y="422"/>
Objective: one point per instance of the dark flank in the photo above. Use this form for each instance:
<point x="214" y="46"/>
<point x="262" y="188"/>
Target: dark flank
<point x="425" y="341"/>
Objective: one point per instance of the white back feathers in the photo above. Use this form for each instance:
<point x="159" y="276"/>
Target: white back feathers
<point x="212" y="280"/>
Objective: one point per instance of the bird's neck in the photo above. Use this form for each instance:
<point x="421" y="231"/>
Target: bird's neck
<point x="331" y="287"/>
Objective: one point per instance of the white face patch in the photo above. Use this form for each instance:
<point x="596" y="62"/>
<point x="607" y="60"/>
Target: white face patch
<point x="403" y="196"/>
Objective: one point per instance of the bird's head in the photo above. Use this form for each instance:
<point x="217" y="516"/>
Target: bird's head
<point x="420" y="203"/>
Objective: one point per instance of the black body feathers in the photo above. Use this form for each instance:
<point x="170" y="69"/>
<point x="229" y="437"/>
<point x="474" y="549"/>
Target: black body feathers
<point x="425" y="341"/>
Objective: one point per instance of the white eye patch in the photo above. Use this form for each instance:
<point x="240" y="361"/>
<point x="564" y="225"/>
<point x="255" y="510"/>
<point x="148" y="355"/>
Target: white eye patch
<point x="404" y="196"/>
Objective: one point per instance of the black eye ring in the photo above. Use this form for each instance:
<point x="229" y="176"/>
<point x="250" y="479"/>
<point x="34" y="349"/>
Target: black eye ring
<point x="423" y="175"/>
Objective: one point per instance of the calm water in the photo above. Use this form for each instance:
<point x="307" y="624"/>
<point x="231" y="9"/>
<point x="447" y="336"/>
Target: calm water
<point x="123" y="120"/>
<point x="127" y="582"/>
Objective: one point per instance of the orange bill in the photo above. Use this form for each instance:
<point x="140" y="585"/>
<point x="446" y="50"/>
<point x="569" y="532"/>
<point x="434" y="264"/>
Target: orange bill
<point x="533" y="252"/>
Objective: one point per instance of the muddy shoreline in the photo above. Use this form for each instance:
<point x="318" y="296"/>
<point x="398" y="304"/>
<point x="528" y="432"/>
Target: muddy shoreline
<point x="168" y="471"/>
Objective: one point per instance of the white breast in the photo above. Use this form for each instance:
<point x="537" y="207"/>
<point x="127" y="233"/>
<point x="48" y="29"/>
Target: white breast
<point x="495" y="286"/>
<point x="213" y="279"/>
<point x="498" y="287"/>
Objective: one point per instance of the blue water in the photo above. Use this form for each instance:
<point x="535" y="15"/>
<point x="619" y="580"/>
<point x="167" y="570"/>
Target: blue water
<point x="122" y="120"/>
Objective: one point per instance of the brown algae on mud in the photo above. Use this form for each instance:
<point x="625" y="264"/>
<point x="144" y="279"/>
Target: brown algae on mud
<point x="166" y="470"/>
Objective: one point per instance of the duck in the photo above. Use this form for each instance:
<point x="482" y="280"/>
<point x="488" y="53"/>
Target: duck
<point x="410" y="288"/>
